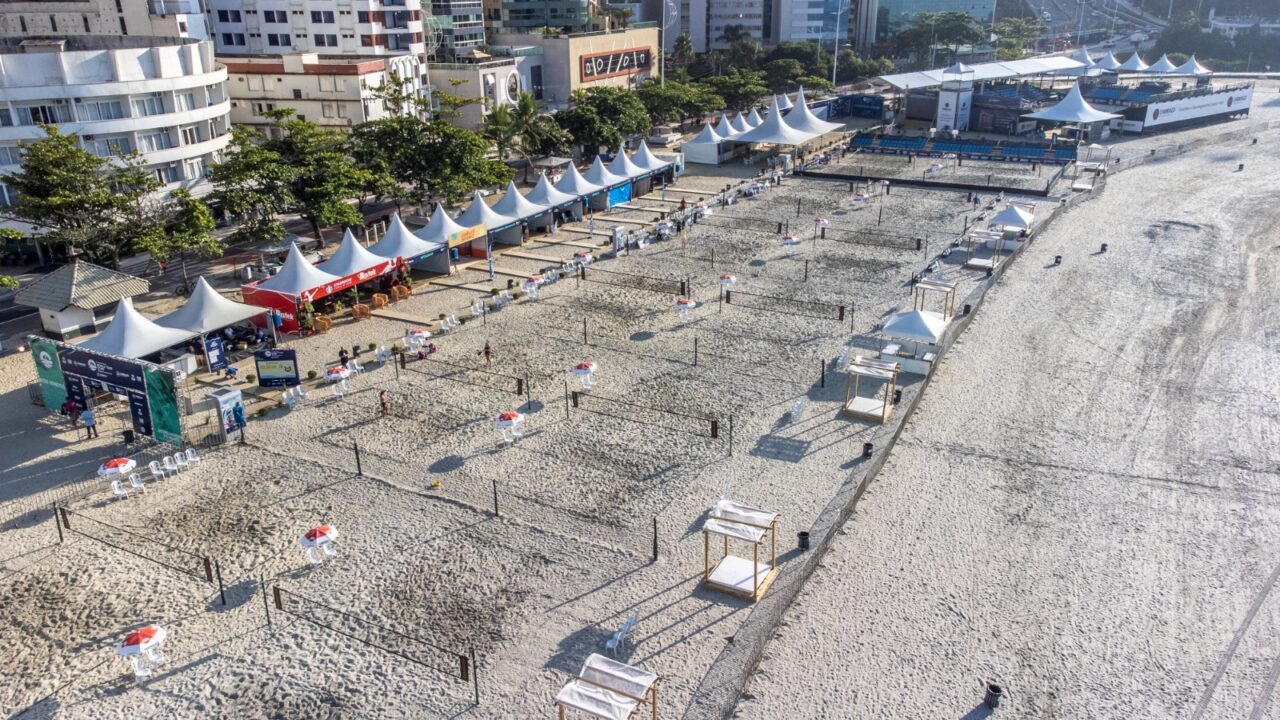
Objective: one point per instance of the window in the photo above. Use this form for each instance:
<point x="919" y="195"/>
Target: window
<point x="229" y="16"/>
<point x="322" y="16"/>
<point x="260" y="108"/>
<point x="183" y="102"/>
<point x="155" y="141"/>
<point x="275" y="16"/>
<point x="168" y="174"/>
<point x="342" y="110"/>
<point x="47" y="114"/>
<point x="326" y="109"/>
<point x="85" y="19"/>
<point x="7" y="196"/>
<point x="365" y="17"/>
<point x="297" y="94"/>
<point x="233" y="38"/>
<point x="195" y="168"/>
<point x="301" y="118"/>
<point x="191" y="135"/>
<point x="10" y="155"/>
<point x="326" y="83"/>
<point x="279" y="40"/>
<point x="6" y="118"/>
<point x="109" y="147"/>
<point x="147" y="106"/>
<point x="182" y="26"/>
<point x="326" y="40"/>
<point x="101" y="110"/>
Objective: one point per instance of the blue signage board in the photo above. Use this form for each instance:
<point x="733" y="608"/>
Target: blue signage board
<point x="276" y="367"/>
<point x="215" y="352"/>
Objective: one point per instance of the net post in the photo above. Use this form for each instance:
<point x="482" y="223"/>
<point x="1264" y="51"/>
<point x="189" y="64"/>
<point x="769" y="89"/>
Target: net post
<point x="728" y="297"/>
<point x="266" y="606"/>
<point x="279" y="599"/>
<point x="566" y="399"/>
<point x="655" y="538"/>
<point x="222" y="588"/>
<point x="495" y="498"/>
<point x="475" y="676"/>
<point x="57" y="523"/>
<point x="806" y="271"/>
<point x="584" y="332"/>
<point x="574" y="398"/>
<point x="359" y="468"/>
<point x="695" y="351"/>
<point x="208" y="570"/>
<point x="715" y="429"/>
<point x="822" y="372"/>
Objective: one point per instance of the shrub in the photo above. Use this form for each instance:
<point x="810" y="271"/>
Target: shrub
<point x="251" y="378"/>
<point x="397" y="348"/>
<point x="261" y="412"/>
<point x="372" y="346"/>
<point x="311" y="374"/>
<point x="494" y="291"/>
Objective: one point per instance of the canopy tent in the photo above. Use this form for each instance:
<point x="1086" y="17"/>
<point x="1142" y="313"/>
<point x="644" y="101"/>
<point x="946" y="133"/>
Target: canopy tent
<point x="706" y="136"/>
<point x="988" y="71"/>
<point x="734" y="575"/>
<point x="544" y="193"/>
<point x="783" y="101"/>
<point x="207" y="310"/>
<point x="352" y="258"/>
<point x="725" y="129"/>
<point x="130" y="335"/>
<point x="1072" y="109"/>
<point x="739" y="123"/>
<point x="443" y="231"/>
<point x="754" y="119"/>
<point x="1109" y="62"/>
<point x="646" y="160"/>
<point x="803" y="119"/>
<point x="605" y="688"/>
<point x="921" y="290"/>
<point x="574" y="184"/>
<point x="598" y="175"/>
<point x="1163" y="65"/>
<point x="1082" y="56"/>
<point x="1133" y="64"/>
<point x="623" y="167"/>
<point x="1192" y="67"/>
<point x="399" y="242"/>
<point x="499" y="227"/>
<point x="1014" y="217"/>
<point x="878" y="406"/>
<point x="297" y="282"/>
<point x="517" y="206"/>
<point x="704" y="147"/>
<point x="775" y="131"/>
<point x="916" y="325"/>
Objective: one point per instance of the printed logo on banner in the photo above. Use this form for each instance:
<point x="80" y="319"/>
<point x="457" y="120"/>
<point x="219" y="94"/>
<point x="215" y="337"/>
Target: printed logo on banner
<point x="277" y="367"/>
<point x="213" y="348"/>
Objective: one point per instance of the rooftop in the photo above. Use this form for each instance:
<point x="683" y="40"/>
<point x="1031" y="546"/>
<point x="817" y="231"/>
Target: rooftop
<point x="81" y="43"/>
<point x="80" y="284"/>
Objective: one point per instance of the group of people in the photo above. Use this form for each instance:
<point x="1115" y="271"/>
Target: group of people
<point x="71" y="409"/>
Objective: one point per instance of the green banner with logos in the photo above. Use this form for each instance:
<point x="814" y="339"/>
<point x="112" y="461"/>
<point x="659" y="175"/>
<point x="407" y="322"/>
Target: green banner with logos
<point x="53" y="385"/>
<point x="162" y="398"/>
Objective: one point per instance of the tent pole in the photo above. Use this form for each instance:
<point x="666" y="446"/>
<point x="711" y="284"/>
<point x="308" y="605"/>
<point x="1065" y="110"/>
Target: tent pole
<point x="773" y="543"/>
<point x="706" y="556"/>
<point x="755" y="570"/>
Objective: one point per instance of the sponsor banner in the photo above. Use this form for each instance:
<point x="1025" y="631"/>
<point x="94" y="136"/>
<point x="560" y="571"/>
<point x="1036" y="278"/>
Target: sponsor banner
<point x="598" y="66"/>
<point x="620" y="194"/>
<point x="351" y="281"/>
<point x="1200" y="106"/>
<point x="53" y="386"/>
<point x="140" y="413"/>
<point x="462" y="237"/>
<point x="277" y="367"/>
<point x="214" y="352"/>
<point x="164" y="420"/>
<point x="103" y="372"/>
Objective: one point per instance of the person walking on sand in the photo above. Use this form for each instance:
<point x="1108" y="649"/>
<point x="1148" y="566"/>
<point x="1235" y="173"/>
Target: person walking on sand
<point x="488" y="354"/>
<point x="90" y="423"/>
<point x="383" y="403"/>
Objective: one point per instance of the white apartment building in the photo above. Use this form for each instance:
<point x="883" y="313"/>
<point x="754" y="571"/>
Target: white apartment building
<point x="326" y="27"/>
<point x="769" y="22"/>
<point x="331" y="91"/>
<point x="161" y="97"/>
<point x="146" y="18"/>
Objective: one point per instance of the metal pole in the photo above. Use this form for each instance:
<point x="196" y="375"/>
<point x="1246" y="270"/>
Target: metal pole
<point x="584" y="332"/>
<point x="359" y="469"/>
<point x="806" y="271"/>
<point x="222" y="589"/>
<point x="566" y="398"/>
<point x="495" y="499"/>
<point x="266" y="606"/>
<point x="822" y="372"/>
<point x="731" y="424"/>
<point x="695" y="351"/>
<point x="655" y="538"/>
<point x="475" y="676"/>
<point x="528" y="394"/>
<point x="57" y="523"/>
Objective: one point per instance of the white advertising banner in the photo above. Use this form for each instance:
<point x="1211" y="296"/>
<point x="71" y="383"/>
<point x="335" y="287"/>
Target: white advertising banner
<point x="1221" y="103"/>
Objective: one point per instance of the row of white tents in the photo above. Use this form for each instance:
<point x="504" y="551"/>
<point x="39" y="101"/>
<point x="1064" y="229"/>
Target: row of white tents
<point x="797" y="127"/>
<point x="1135" y="64"/>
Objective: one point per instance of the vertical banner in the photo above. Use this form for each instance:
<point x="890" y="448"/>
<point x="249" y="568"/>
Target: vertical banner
<point x="53" y="387"/>
<point x="162" y="397"/>
<point x="215" y="352"/>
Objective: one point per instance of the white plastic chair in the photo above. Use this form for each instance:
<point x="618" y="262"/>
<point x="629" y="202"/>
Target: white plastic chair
<point x="192" y="458"/>
<point x="141" y="668"/>
<point x="353" y="367"/>
<point x="618" y="639"/>
<point x="356" y="366"/>
<point x="477" y="309"/>
<point x="516" y="433"/>
<point x="797" y="410"/>
<point x="157" y="472"/>
<point x="169" y="467"/>
<point x="135" y="482"/>
<point x="314" y="555"/>
<point x="181" y="461"/>
<point x="329" y="550"/>
<point x="337" y="390"/>
<point x="531" y="291"/>
<point x="117" y="487"/>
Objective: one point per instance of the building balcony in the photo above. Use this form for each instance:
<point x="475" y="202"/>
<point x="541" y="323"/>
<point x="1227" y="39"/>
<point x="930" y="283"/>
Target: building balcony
<point x="173" y="7"/>
<point x="121" y="125"/>
<point x="186" y="152"/>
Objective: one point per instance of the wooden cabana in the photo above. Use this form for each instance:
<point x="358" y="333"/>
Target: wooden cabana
<point x="878" y="406"/>
<point x="610" y="690"/>
<point x="947" y="289"/>
<point x="737" y="575"/>
<point x="978" y="238"/>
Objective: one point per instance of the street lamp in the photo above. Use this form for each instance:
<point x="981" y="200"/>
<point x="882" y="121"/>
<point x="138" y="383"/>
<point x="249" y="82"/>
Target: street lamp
<point x="835" y="47"/>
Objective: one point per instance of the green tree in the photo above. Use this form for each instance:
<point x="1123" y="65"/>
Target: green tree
<point x="783" y="75"/>
<point x="90" y="204"/>
<point x="619" y="17"/>
<point x="458" y="161"/>
<point x="500" y="130"/>
<point x="8" y="282"/>
<point x="812" y="58"/>
<point x="253" y="184"/>
<point x="682" y="53"/>
<point x="927" y="29"/>
<point x="741" y="89"/>
<point x="743" y="54"/>
<point x="536" y="132"/>
<point x="676" y="101"/>
<point x="325" y="179"/>
<point x="393" y="150"/>
<point x="188" y="228"/>
<point x="734" y="33"/>
<point x="603" y="115"/>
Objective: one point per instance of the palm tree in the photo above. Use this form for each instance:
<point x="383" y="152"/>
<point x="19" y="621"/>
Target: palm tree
<point x="682" y="52"/>
<point x="500" y="129"/>
<point x="734" y="33"/>
<point x="527" y="128"/>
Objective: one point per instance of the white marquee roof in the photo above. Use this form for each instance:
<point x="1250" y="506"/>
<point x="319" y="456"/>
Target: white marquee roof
<point x="646" y="160"/>
<point x="131" y="335"/>
<point x="784" y="102"/>
<point x="438" y="229"/>
<point x="297" y="275"/>
<point x="598" y="175"/>
<point x="479" y="213"/>
<point x="1109" y="62"/>
<point x="350" y="258"/>
<point x="1192" y="67"/>
<point x="623" y="167"/>
<point x="918" y="325"/>
<point x="1163" y="65"/>
<point x="754" y="118"/>
<point x="803" y="119"/>
<point x="515" y="205"/>
<point x="574" y="184"/>
<point x="545" y="194"/>
<point x="399" y="242"/>
<point x="708" y="136"/>
<point x="1133" y="64"/>
<point x="1013" y="216"/>
<point x="988" y="71"/>
<point x="1072" y="109"/>
<point x="775" y="131"/>
<point x="207" y="310"/>
<point x="739" y="123"/>
<point x="724" y="129"/>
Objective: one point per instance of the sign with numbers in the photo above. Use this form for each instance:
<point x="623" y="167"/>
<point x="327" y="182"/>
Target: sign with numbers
<point x="599" y="66"/>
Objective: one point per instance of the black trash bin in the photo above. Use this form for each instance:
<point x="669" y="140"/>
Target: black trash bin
<point x="803" y="537"/>
<point x="867" y="449"/>
<point x="128" y="437"/>
<point x="897" y="396"/>
<point x="993" y="695"/>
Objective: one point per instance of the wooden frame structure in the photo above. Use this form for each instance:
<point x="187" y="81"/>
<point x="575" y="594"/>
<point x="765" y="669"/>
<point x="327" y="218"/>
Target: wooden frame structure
<point x="977" y="237"/>
<point x="869" y="408"/>
<point x="919" y="295"/>
<point x="610" y="690"/>
<point x="735" y="575"/>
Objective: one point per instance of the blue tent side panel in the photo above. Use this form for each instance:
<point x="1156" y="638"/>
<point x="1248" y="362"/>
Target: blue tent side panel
<point x="620" y="194"/>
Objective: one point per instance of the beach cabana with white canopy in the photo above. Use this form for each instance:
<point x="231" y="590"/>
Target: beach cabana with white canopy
<point x="732" y="574"/>
<point x="619" y="187"/>
<point x="1133" y="64"/>
<point x="646" y="160"/>
<point x="1192" y="67"/>
<point x="544" y="193"/>
<point x="775" y="131"/>
<point x="1162" y="66"/>
<point x="208" y="311"/>
<point x="515" y="205"/>
<point x="912" y="337"/>
<point x="1072" y="109"/>
<point x="500" y="228"/>
<point x="622" y="166"/>
<point x="610" y="690"/>
<point x="402" y="244"/>
<point x="441" y="234"/>
<point x="296" y="283"/>
<point x="803" y="119"/>
<point x="1013" y="216"/>
<point x="1108" y="62"/>
<point x="877" y="406"/>
<point x="704" y="147"/>
<point x="573" y="183"/>
<point x="130" y="335"/>
<point x="352" y="258"/>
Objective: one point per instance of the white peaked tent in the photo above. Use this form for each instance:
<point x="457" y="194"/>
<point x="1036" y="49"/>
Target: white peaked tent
<point x="646" y="160"/>
<point x="545" y="194"/>
<point x="574" y="184"/>
<point x="775" y="131"/>
<point x="623" y="167"/>
<point x="803" y="119"/>
<point x="130" y="335"/>
<point x="1014" y="217"/>
<point x="598" y="175"/>
<point x="1163" y="65"/>
<point x="704" y="147"/>
<point x="1192" y="67"/>
<point x="297" y="276"/>
<point x="207" y="310"/>
<point x="479" y="213"/>
<point x="724" y="129"/>
<point x="1133" y="64"/>
<point x="739" y="123"/>
<point x="754" y="118"/>
<point x="438" y="229"/>
<point x="916" y="325"/>
<point x="399" y="242"/>
<point x="351" y="257"/>
<point x="1083" y="56"/>
<point x="1109" y="62"/>
<point x="707" y="136"/>
<point x="1072" y="109"/>
<point x="784" y="102"/>
<point x="515" y="205"/>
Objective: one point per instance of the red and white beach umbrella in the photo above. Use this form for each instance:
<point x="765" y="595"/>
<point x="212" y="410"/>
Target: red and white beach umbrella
<point x="509" y="419"/>
<point x="686" y="304"/>
<point x="418" y="334"/>
<point x="338" y="373"/>
<point x="860" y="196"/>
<point x="728" y="280"/>
<point x="319" y="535"/>
<point x="141" y="640"/>
<point x="584" y="368"/>
<point x="583" y="257"/>
<point x="820" y="221"/>
<point x="534" y="280"/>
<point x="789" y="240"/>
<point x="117" y="466"/>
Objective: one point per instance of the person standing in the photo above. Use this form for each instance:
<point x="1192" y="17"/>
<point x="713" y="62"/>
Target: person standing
<point x="343" y="356"/>
<point x="488" y="354"/>
<point x="383" y="403"/>
<point x="90" y="423"/>
<point x="237" y="416"/>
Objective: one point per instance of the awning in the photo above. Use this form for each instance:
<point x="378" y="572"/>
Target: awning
<point x="918" y="325"/>
<point x="1109" y="62"/>
<point x="515" y="205"/>
<point x="988" y="71"/>
<point x="784" y="102"/>
<point x="707" y="136"/>
<point x="724" y="129"/>
<point x="754" y="119"/>
<point x="207" y="310"/>
<point x="1072" y="109"/>
<point x="130" y="335"/>
<point x="872" y="368"/>
<point x="739" y="521"/>
<point x="739" y="123"/>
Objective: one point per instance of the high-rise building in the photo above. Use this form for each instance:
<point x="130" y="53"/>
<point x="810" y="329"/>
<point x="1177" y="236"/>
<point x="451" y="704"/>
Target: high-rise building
<point x="328" y="27"/>
<point x="712" y="23"/>
<point x="518" y="15"/>
<point x="460" y="27"/>
<point x="894" y="16"/>
<point x="148" y="18"/>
